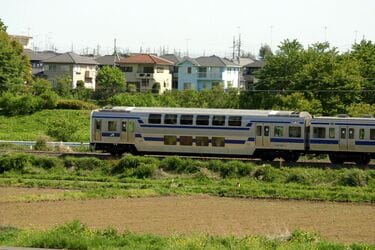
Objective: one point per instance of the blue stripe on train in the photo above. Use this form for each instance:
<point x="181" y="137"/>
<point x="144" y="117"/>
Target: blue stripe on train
<point x="320" y="141"/>
<point x="287" y="140"/>
<point x="110" y="134"/>
<point x="192" y="127"/>
<point x="365" y="143"/>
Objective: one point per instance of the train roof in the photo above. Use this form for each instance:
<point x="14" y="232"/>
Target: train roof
<point x="340" y="119"/>
<point x="243" y="112"/>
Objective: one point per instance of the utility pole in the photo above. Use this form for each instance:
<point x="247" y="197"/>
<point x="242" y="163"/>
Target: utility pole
<point x="355" y="36"/>
<point x="187" y="47"/>
<point x="239" y="44"/>
<point x="233" y="47"/>
<point x="325" y="33"/>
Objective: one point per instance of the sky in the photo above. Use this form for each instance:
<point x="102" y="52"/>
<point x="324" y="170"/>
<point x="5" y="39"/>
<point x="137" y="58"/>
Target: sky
<point x="200" y="27"/>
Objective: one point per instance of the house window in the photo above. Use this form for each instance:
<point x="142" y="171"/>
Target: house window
<point x="218" y="141"/>
<point x="170" y="119"/>
<point x="202" y="120"/>
<point x="295" y="132"/>
<point x="189" y="70"/>
<point x="159" y="70"/>
<point x="278" y="131"/>
<point x="145" y="83"/>
<point x="186" y="120"/>
<point x="201" y="141"/>
<point x="186" y="140"/>
<point x="319" y="132"/>
<point x="154" y="118"/>
<point x="218" y="120"/>
<point x="202" y="72"/>
<point x="235" y="121"/>
<point x="170" y="140"/>
<point x="128" y="69"/>
<point x="148" y="70"/>
<point x="112" y="125"/>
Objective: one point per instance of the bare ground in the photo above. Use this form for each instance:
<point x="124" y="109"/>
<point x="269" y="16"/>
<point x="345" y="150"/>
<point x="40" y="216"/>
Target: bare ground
<point x="340" y="222"/>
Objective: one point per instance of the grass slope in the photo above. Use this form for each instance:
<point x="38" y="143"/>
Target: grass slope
<point x="30" y="127"/>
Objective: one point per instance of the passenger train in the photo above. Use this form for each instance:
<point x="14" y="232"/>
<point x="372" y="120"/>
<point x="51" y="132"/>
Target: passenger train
<point x="232" y="133"/>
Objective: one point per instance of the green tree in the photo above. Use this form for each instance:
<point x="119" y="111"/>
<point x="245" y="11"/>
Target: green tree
<point x="15" y="68"/>
<point x="110" y="81"/>
<point x="265" y="51"/>
<point x="63" y="86"/>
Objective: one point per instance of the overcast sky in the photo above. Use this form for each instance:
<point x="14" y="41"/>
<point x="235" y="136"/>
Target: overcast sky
<point x="202" y="26"/>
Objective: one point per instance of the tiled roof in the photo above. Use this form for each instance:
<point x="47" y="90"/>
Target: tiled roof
<point x="214" y="61"/>
<point x="172" y="57"/>
<point x="144" y="59"/>
<point x="39" y="55"/>
<point x="108" y="59"/>
<point x="71" y="58"/>
<point x="256" y="64"/>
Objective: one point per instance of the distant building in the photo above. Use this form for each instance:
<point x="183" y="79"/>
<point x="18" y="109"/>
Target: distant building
<point x="147" y="72"/>
<point x="23" y="40"/>
<point x="80" y="68"/>
<point x="173" y="68"/>
<point x="242" y="61"/>
<point x="206" y="72"/>
<point x="248" y="74"/>
<point x="36" y="60"/>
<point x="108" y="60"/>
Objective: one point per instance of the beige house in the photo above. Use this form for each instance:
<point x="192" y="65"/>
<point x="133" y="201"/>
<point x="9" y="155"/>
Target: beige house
<point x="147" y="72"/>
<point x="79" y="68"/>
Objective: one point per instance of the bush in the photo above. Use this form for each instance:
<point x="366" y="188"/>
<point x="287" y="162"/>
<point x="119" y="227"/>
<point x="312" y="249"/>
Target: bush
<point x="84" y="163"/>
<point x="176" y="164"/>
<point x="128" y="163"/>
<point x="144" y="170"/>
<point x="62" y="129"/>
<point x="265" y="173"/>
<point x="299" y="177"/>
<point x="354" y="178"/>
<point x="46" y="162"/>
<point x="75" y="104"/>
<point x="41" y="143"/>
<point x="15" y="162"/>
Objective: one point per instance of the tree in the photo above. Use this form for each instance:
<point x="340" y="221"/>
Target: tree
<point x="63" y="86"/>
<point x="265" y="51"/>
<point x="15" y="68"/>
<point x="110" y="81"/>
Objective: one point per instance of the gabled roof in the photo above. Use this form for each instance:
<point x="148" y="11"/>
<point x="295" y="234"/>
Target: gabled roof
<point x="108" y="59"/>
<point x="144" y="59"/>
<point x="39" y="55"/>
<point x="210" y="61"/>
<point x="71" y="58"/>
<point x="172" y="58"/>
<point x="256" y="64"/>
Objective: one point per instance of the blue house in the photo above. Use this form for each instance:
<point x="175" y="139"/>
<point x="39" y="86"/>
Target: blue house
<point x="206" y="72"/>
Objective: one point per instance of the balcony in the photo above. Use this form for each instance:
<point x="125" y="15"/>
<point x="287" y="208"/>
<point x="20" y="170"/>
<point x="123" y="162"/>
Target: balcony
<point x="209" y="75"/>
<point x="145" y="75"/>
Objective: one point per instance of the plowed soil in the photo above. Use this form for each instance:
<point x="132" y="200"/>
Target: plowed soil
<point x="340" y="222"/>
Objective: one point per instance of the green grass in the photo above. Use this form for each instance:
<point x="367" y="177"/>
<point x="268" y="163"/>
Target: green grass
<point x="144" y="176"/>
<point x="30" y="127"/>
<point x="75" y="235"/>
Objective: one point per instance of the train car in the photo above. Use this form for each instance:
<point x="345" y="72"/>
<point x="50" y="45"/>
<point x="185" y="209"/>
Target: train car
<point x="343" y="138"/>
<point x="192" y="131"/>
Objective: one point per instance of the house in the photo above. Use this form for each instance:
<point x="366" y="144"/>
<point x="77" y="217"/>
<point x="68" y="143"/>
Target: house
<point x="248" y="74"/>
<point x="205" y="72"/>
<point x="79" y="68"/>
<point x="108" y="60"/>
<point x="173" y="68"/>
<point x="147" y="72"/>
<point x="36" y="60"/>
<point x="242" y="61"/>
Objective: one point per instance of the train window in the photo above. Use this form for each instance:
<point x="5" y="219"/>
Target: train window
<point x="266" y="131"/>
<point x="319" y="132"/>
<point x="154" y="118"/>
<point x="123" y="126"/>
<point x="343" y="133"/>
<point x="186" y="120"/>
<point x="218" y="120"/>
<point x="362" y="134"/>
<point x="372" y="134"/>
<point x="259" y="130"/>
<point x="278" y="131"/>
<point x="112" y="126"/>
<point x="218" y="141"/>
<point x="351" y="133"/>
<point x="186" y="140"/>
<point x="202" y="119"/>
<point x="331" y="133"/>
<point x="170" y="119"/>
<point x="295" y="131"/>
<point x="201" y="141"/>
<point x="235" y="121"/>
<point x="170" y="140"/>
<point x="98" y="124"/>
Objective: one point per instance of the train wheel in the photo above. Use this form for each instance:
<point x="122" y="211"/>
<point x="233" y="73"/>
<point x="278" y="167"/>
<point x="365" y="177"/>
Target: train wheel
<point x="290" y="157"/>
<point x="267" y="157"/>
<point x="336" y="159"/>
<point x="363" y="160"/>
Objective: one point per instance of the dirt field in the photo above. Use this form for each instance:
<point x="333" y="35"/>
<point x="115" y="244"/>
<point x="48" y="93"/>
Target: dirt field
<point x="340" y="222"/>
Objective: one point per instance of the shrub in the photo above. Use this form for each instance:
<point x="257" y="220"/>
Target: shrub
<point x="265" y="173"/>
<point x="46" y="162"/>
<point x="299" y="177"/>
<point x="84" y="163"/>
<point x="15" y="162"/>
<point x="128" y="163"/>
<point x="41" y="143"/>
<point x="353" y="178"/>
<point x="175" y="163"/>
<point x="62" y="129"/>
<point x="75" y="104"/>
<point x="144" y="170"/>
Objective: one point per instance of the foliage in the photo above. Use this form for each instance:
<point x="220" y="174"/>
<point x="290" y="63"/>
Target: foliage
<point x="155" y="88"/>
<point x="110" y="81"/>
<point x="15" y="68"/>
<point x="361" y="109"/>
<point x="41" y="143"/>
<point x="265" y="51"/>
<point x="75" y="104"/>
<point x="62" y="129"/>
<point x="63" y="86"/>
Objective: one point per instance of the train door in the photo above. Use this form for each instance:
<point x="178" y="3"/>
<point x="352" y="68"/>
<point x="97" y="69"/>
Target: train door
<point x="127" y="131"/>
<point x="97" y="129"/>
<point x="347" y="138"/>
<point x="262" y="137"/>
